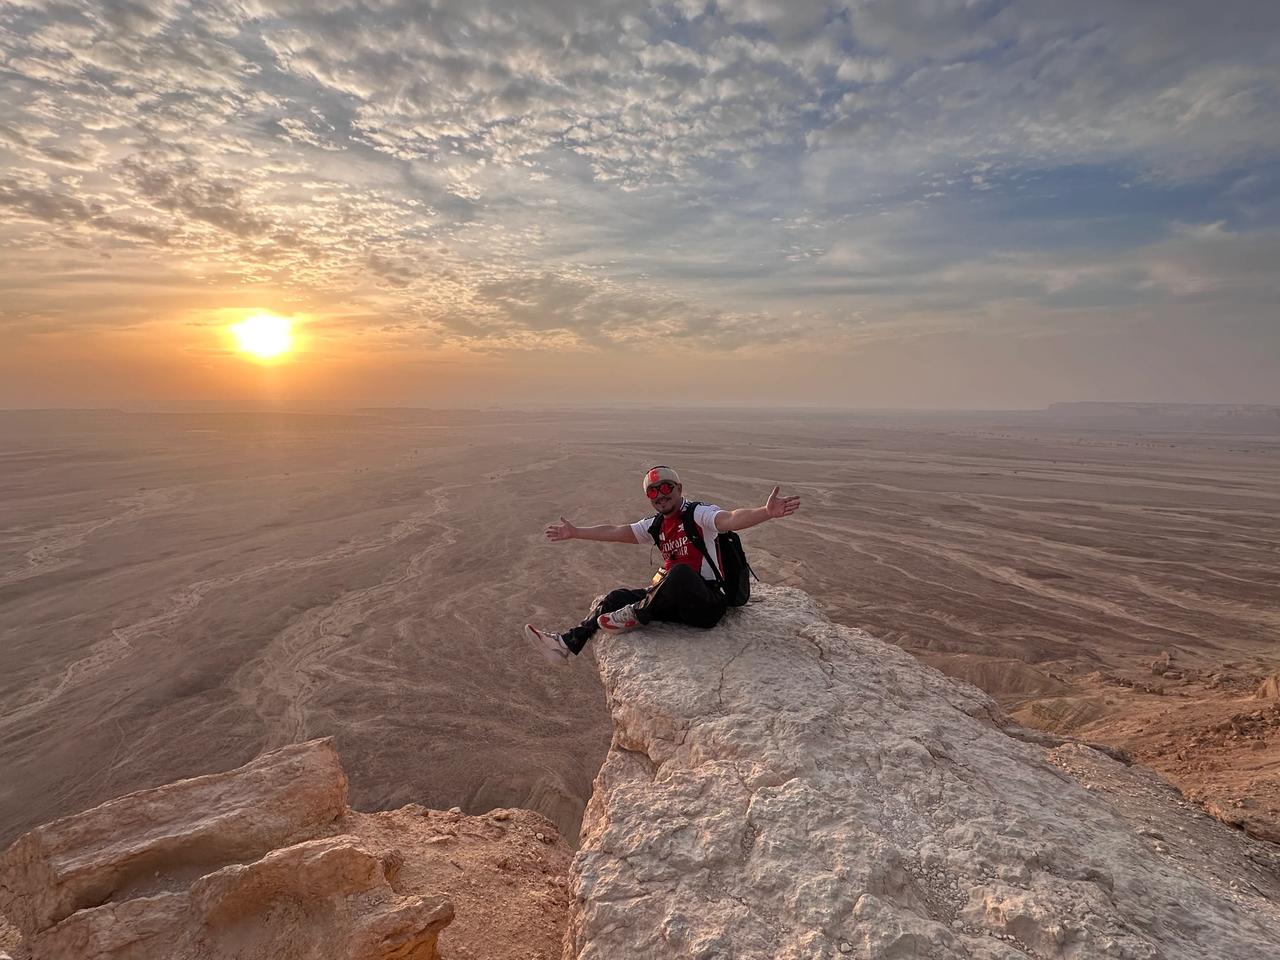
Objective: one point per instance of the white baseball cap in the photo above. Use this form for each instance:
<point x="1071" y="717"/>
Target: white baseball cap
<point x="657" y="474"/>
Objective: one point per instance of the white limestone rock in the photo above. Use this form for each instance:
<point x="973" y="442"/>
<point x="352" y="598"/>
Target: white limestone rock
<point x="785" y="788"/>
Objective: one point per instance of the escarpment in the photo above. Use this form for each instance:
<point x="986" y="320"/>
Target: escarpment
<point x="786" y="788"/>
<point x="779" y="788"/>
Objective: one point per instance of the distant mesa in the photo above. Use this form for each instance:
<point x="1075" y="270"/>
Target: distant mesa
<point x="1165" y="409"/>
<point x="1211" y="417"/>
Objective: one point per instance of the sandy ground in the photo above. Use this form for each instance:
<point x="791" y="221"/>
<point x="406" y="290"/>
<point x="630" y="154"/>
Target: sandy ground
<point x="178" y="593"/>
<point x="506" y="874"/>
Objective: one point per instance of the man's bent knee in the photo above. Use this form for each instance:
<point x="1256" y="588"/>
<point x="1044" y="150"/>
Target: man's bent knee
<point x="615" y="598"/>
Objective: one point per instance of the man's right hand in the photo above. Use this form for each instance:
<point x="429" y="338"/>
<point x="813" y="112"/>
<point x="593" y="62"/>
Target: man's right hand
<point x="564" y="530"/>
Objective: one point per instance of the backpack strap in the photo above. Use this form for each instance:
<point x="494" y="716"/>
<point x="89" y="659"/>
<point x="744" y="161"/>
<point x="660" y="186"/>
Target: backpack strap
<point x="691" y="531"/>
<point x="695" y="536"/>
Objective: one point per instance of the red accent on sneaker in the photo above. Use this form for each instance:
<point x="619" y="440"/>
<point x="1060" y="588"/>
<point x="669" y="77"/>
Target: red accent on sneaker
<point x="618" y="620"/>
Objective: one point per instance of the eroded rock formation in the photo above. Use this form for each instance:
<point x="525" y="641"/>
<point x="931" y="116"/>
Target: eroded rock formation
<point x="128" y="844"/>
<point x="790" y="789"/>
<point x="234" y="864"/>
<point x="267" y="861"/>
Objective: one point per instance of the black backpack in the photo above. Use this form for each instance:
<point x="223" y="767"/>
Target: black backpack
<point x="736" y="578"/>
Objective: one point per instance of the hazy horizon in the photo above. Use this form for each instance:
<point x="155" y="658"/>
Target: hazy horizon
<point x="1173" y="406"/>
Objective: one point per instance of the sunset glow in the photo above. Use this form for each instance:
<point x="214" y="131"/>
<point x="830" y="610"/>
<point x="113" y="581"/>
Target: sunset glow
<point x="263" y="336"/>
<point x="837" y="203"/>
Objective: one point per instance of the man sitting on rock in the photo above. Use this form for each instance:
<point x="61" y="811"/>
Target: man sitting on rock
<point x="684" y="591"/>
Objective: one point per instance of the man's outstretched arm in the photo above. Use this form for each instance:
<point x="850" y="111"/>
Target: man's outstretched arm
<point x="564" y="530"/>
<point x="776" y="506"/>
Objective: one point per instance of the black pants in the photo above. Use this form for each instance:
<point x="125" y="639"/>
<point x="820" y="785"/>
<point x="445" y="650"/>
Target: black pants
<point x="682" y="596"/>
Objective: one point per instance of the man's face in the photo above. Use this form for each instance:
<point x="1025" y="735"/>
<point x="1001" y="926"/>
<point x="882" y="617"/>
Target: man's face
<point x="667" y="502"/>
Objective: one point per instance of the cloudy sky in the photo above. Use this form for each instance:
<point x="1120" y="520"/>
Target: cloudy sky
<point x="907" y="203"/>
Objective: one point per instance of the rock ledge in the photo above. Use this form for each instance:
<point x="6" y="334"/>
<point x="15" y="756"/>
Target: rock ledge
<point x="783" y="787"/>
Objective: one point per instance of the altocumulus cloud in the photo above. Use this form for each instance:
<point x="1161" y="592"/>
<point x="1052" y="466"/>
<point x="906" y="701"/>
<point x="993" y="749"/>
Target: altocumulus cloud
<point x="592" y="174"/>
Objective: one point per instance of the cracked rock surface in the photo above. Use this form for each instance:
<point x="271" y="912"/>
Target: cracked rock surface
<point x="783" y="787"/>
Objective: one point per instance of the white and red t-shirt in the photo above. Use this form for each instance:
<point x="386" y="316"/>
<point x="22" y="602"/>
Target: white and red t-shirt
<point x="674" y="543"/>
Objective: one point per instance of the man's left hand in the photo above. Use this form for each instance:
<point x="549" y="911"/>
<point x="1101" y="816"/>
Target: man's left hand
<point x="777" y="506"/>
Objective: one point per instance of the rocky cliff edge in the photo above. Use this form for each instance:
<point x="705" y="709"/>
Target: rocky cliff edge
<point x="780" y="788"/>
<point x="786" y="788"/>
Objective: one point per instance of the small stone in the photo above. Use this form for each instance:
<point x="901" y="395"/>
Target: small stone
<point x="540" y="836"/>
<point x="845" y="946"/>
<point x="455" y="809"/>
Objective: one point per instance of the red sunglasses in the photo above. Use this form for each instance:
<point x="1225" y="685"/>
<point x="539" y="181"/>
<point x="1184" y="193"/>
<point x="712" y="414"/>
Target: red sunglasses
<point x="662" y="489"/>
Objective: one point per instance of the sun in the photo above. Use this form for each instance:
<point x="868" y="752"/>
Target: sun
<point x="263" y="335"/>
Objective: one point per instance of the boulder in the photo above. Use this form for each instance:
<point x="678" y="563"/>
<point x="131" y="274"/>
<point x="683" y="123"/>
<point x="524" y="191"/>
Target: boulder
<point x="311" y="901"/>
<point x="192" y="827"/>
<point x="788" y="788"/>
<point x="243" y="865"/>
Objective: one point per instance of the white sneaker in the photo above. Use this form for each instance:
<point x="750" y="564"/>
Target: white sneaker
<point x="624" y="618"/>
<point x="550" y="645"/>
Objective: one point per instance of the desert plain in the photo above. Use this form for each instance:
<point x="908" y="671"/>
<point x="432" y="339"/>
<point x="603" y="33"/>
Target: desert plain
<point x="179" y="592"/>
